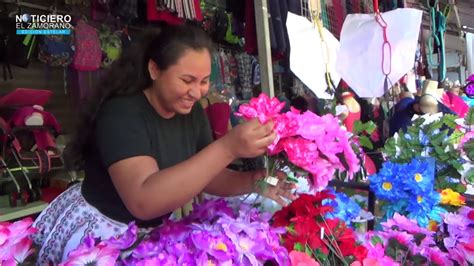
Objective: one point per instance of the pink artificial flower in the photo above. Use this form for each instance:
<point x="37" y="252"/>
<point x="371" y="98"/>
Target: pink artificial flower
<point x="15" y="243"/>
<point x="263" y="108"/>
<point x="22" y="250"/>
<point x="285" y="126"/>
<point x="376" y="257"/>
<point x="99" y="255"/>
<point x="4" y="234"/>
<point x="468" y="249"/>
<point x="21" y="229"/>
<point x="436" y="256"/>
<point x="298" y="258"/>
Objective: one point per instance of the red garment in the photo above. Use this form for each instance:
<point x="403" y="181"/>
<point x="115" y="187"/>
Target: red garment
<point x="356" y="6"/>
<point x="250" y="33"/>
<point x="350" y="120"/>
<point x="197" y="8"/>
<point x="455" y="103"/>
<point x="153" y="14"/>
<point x="219" y="116"/>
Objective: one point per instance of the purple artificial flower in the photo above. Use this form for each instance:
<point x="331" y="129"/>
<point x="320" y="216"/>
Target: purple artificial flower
<point x="160" y="259"/>
<point x="176" y="230"/>
<point x="246" y="249"/>
<point x="124" y="241"/>
<point x="205" y="260"/>
<point x="220" y="247"/>
<point x="210" y="210"/>
<point x="458" y="230"/>
<point x="147" y="249"/>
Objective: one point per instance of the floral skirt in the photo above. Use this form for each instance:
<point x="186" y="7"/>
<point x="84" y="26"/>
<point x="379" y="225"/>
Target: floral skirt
<point x="65" y="222"/>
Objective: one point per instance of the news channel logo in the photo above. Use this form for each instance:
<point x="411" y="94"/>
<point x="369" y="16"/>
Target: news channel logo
<point x="51" y="24"/>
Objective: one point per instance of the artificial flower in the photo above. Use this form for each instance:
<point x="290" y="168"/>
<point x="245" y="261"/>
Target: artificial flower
<point x="450" y="197"/>
<point x="124" y="241"/>
<point x="376" y="256"/>
<point x="90" y="254"/>
<point x="345" y="208"/>
<point x="298" y="258"/>
<point x="15" y="244"/>
<point x="307" y="227"/>
<point x="386" y="185"/>
<point x="263" y="108"/>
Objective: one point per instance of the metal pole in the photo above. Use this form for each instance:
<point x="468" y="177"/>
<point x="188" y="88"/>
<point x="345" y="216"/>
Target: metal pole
<point x="264" y="50"/>
<point x="470" y="53"/>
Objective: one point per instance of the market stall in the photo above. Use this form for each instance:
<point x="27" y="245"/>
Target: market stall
<point x="375" y="143"/>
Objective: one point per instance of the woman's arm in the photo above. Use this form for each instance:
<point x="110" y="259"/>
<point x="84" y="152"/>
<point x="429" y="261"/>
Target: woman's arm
<point x="231" y="183"/>
<point x="149" y="192"/>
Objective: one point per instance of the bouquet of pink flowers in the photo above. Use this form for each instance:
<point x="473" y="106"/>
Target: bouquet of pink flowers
<point x="15" y="242"/>
<point x="316" y="144"/>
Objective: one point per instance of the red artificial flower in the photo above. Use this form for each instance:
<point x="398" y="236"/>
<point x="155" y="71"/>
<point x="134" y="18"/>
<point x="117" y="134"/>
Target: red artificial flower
<point x="470" y="215"/>
<point x="282" y="217"/>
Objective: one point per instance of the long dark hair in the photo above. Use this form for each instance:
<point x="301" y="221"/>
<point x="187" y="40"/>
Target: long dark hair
<point x="129" y="75"/>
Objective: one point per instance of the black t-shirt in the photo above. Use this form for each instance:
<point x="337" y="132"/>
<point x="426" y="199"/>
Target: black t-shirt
<point x="130" y="126"/>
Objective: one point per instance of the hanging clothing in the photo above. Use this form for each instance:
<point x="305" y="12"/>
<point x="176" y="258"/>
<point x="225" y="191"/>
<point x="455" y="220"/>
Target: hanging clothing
<point x="154" y="14"/>
<point x="250" y="34"/>
<point x="278" y="13"/>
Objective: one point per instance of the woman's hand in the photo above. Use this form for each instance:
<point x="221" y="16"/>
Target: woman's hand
<point x="281" y="191"/>
<point x="249" y="140"/>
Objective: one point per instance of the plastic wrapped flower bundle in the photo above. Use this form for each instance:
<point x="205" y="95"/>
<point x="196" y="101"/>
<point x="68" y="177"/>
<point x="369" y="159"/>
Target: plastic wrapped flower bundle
<point x="15" y="242"/>
<point x="408" y="189"/>
<point x="315" y="144"/>
<point x="213" y="234"/>
<point x="458" y="235"/>
<point x="403" y="242"/>
<point x="327" y="241"/>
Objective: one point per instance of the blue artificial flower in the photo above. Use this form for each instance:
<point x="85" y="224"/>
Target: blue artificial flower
<point x="386" y="184"/>
<point x="395" y="207"/>
<point x="345" y="208"/>
<point x="419" y="175"/>
<point x="421" y="205"/>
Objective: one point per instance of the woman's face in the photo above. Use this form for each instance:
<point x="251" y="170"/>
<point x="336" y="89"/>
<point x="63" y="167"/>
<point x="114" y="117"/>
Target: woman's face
<point x="179" y="87"/>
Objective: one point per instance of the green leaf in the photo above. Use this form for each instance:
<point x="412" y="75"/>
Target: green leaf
<point x="358" y="127"/>
<point x="450" y="120"/>
<point x="419" y="238"/>
<point x="469" y="118"/>
<point x="470" y="176"/>
<point x="299" y="247"/>
<point x="460" y="188"/>
<point x="456" y="137"/>
<point x="365" y="142"/>
<point x="376" y="240"/>
<point x="418" y="259"/>
<point x="371" y="127"/>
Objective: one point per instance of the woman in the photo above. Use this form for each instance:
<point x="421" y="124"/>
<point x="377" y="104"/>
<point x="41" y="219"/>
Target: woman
<point x="145" y="146"/>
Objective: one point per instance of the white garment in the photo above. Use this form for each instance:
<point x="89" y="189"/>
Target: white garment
<point x="63" y="225"/>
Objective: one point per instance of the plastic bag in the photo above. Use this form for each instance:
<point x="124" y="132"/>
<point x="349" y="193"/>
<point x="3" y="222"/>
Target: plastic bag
<point x="360" y="56"/>
<point x="308" y="54"/>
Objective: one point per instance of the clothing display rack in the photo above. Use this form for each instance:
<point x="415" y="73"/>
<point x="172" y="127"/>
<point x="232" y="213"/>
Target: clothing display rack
<point x="18" y="3"/>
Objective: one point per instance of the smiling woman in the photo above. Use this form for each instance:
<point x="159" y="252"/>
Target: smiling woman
<point x="146" y="146"/>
